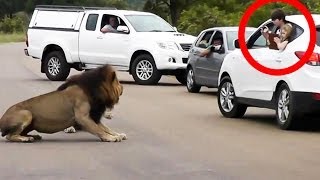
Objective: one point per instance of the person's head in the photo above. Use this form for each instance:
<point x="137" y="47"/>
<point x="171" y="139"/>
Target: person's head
<point x="113" y="21"/>
<point x="278" y="17"/>
<point x="217" y="41"/>
<point x="286" y="31"/>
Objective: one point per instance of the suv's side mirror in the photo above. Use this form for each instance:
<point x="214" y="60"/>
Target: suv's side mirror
<point x="123" y="29"/>
<point x="236" y="43"/>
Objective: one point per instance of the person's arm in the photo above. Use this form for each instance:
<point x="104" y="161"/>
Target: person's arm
<point x="281" y="45"/>
<point x="206" y="51"/>
<point x="108" y="28"/>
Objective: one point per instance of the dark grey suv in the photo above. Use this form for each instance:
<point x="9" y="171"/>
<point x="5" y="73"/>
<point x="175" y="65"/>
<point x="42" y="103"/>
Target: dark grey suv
<point x="204" y="71"/>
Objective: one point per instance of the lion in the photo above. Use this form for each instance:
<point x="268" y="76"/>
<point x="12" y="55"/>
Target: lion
<point x="83" y="102"/>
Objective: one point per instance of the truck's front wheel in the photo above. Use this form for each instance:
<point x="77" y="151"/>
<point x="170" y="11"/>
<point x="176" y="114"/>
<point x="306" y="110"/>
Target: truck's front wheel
<point x="144" y="70"/>
<point x="56" y="66"/>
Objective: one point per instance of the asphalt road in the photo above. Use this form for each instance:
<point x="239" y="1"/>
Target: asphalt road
<point x="171" y="135"/>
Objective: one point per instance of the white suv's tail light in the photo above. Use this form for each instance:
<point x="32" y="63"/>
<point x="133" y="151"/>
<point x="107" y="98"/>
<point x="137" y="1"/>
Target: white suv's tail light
<point x="314" y="60"/>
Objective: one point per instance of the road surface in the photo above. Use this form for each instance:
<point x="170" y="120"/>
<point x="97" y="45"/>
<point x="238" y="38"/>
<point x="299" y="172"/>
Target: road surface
<point x="172" y="134"/>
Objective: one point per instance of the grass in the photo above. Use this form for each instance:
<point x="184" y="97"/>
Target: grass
<point x="14" y="37"/>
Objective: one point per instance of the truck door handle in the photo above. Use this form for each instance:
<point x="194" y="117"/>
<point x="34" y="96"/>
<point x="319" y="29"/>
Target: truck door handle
<point x="278" y="60"/>
<point x="99" y="37"/>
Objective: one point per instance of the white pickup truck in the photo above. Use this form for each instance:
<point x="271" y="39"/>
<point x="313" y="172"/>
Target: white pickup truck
<point x="145" y="45"/>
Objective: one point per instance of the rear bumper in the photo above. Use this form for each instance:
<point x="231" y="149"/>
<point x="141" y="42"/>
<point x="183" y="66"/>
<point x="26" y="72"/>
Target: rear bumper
<point x="306" y="102"/>
<point x="26" y="52"/>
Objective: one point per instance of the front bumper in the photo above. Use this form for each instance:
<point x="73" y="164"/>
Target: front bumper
<point x="171" y="60"/>
<point x="306" y="102"/>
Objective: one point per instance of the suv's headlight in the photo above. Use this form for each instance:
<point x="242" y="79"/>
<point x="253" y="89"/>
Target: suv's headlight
<point x="168" y="45"/>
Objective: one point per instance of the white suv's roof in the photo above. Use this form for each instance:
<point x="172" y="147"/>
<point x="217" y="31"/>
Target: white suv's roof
<point x="229" y="28"/>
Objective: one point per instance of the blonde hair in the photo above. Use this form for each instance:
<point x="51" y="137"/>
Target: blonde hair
<point x="288" y="28"/>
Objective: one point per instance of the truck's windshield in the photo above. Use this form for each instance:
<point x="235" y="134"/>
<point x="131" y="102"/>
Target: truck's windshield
<point x="149" y="23"/>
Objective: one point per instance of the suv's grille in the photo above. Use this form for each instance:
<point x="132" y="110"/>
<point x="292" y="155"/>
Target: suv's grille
<point x="186" y="47"/>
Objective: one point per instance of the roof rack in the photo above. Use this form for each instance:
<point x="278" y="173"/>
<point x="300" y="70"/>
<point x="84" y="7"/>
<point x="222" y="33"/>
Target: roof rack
<point x="71" y="8"/>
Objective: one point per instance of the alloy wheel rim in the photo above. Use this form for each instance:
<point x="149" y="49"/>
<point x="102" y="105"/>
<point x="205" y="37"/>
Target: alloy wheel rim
<point x="144" y="70"/>
<point x="54" y="66"/>
<point x="227" y="96"/>
<point x="283" y="106"/>
<point x="190" y="79"/>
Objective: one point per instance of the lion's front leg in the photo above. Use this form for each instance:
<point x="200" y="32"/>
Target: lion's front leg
<point x="123" y="136"/>
<point x="84" y="120"/>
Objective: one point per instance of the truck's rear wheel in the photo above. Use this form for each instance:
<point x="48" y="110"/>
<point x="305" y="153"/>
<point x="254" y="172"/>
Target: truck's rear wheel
<point x="56" y="67"/>
<point x="144" y="70"/>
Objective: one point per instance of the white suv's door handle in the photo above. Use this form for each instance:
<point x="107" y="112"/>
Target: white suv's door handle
<point x="278" y="60"/>
<point x="99" y="37"/>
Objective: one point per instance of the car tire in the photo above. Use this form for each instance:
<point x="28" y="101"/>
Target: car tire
<point x="287" y="114"/>
<point x="56" y="66"/>
<point x="192" y="87"/>
<point x="148" y="73"/>
<point x="227" y="100"/>
<point x="181" y="76"/>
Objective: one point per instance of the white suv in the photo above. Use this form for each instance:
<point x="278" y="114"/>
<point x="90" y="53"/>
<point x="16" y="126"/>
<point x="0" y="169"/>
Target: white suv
<point x="146" y="46"/>
<point x="292" y="96"/>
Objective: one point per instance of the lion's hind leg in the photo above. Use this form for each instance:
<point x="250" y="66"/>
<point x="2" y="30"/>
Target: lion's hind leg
<point x="15" y="124"/>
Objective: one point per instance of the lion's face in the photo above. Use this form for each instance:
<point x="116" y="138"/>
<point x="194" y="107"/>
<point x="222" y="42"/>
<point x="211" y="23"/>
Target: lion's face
<point x="112" y="87"/>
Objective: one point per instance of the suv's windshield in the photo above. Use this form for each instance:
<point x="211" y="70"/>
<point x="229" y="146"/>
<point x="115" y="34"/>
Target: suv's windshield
<point x="233" y="35"/>
<point x="149" y="23"/>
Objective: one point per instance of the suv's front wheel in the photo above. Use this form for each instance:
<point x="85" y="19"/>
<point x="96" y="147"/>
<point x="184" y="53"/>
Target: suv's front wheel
<point x="56" y="66"/>
<point x="227" y="100"/>
<point x="144" y="70"/>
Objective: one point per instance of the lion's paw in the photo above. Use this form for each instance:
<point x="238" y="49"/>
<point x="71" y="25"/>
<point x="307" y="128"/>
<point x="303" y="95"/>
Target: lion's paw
<point x="70" y="130"/>
<point x="123" y="136"/>
<point x="111" y="138"/>
<point x="108" y="115"/>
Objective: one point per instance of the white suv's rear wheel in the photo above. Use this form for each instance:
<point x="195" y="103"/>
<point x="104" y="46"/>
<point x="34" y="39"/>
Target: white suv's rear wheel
<point x="227" y="100"/>
<point x="144" y="70"/>
<point x="286" y="113"/>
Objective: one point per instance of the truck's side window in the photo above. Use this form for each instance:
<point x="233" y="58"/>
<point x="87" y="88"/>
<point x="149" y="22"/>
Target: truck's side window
<point x="92" y="22"/>
<point x="106" y="21"/>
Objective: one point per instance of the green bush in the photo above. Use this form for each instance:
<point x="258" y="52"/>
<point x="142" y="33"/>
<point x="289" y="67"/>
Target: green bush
<point x="12" y="25"/>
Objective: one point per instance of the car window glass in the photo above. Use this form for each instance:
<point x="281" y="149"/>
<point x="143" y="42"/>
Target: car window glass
<point x="233" y="35"/>
<point x="205" y="39"/>
<point x="92" y="22"/>
<point x="257" y="40"/>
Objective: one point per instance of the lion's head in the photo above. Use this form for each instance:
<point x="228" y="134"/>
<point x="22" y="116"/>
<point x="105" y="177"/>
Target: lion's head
<point x="100" y="84"/>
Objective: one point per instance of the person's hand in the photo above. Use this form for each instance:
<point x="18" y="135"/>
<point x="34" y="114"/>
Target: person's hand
<point x="276" y="40"/>
<point x="204" y="53"/>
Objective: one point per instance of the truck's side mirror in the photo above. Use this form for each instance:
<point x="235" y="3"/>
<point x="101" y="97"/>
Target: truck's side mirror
<point x="236" y="43"/>
<point x="123" y="29"/>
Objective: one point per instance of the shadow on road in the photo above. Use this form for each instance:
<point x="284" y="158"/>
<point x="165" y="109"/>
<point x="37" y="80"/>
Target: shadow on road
<point x="308" y="124"/>
<point x="159" y="84"/>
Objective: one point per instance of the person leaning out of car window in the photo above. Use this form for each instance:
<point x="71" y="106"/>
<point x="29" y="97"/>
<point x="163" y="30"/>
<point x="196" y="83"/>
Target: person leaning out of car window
<point x="284" y="36"/>
<point x="216" y="46"/>
<point x="112" y="26"/>
<point x="278" y="18"/>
